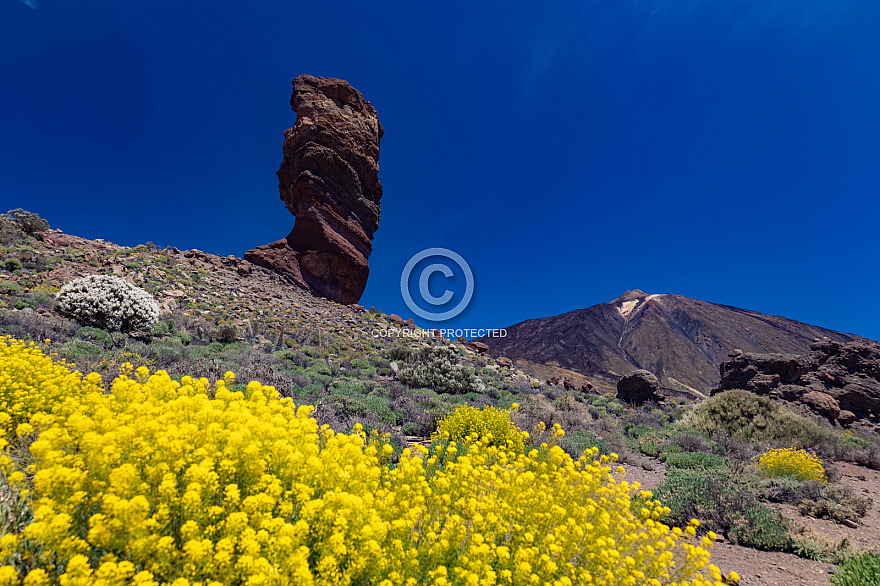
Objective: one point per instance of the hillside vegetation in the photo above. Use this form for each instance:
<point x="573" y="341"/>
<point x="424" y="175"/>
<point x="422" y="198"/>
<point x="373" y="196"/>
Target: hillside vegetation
<point x="255" y="434"/>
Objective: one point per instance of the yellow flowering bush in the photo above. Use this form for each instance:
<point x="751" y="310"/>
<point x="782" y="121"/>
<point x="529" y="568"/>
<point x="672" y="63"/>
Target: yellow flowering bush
<point x="32" y="383"/>
<point x="466" y="424"/>
<point x="187" y="483"/>
<point x="798" y="464"/>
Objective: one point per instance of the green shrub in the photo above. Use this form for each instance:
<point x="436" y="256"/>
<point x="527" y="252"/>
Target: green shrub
<point x="724" y="506"/>
<point x="161" y="328"/>
<point x="9" y="288"/>
<point x="860" y="570"/>
<point x="12" y="264"/>
<point x="694" y="460"/>
<point x="575" y="443"/>
<point x="747" y="416"/>
<point x="411" y="428"/>
<point x="96" y="335"/>
<point x="359" y="363"/>
<point x="82" y="349"/>
<point x="320" y="367"/>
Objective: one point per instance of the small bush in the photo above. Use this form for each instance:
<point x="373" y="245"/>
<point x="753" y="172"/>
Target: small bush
<point x="694" y="460"/>
<point x="226" y="333"/>
<point x="108" y="303"/>
<point x="860" y="570"/>
<point x="8" y="288"/>
<point x="359" y="363"/>
<point x="725" y="506"/>
<point x="490" y="425"/>
<point x="79" y="349"/>
<point x="832" y="501"/>
<point x="29" y="222"/>
<point x="438" y="369"/>
<point x="411" y="428"/>
<point x="747" y="416"/>
<point x="91" y="334"/>
<point x="12" y="264"/>
<point x="577" y="442"/>
<point x="798" y="464"/>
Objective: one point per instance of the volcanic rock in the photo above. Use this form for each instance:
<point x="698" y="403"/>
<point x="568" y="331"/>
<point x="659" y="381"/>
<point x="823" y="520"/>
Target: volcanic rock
<point x="639" y="386"/>
<point x="822" y="403"/>
<point x="478" y="347"/>
<point x="836" y="379"/>
<point x="329" y="181"/>
<point x="561" y="381"/>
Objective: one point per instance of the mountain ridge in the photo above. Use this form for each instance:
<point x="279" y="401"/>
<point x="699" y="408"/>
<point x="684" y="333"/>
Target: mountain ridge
<point x="681" y="340"/>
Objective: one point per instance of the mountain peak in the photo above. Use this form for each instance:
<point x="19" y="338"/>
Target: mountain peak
<point x="630" y="295"/>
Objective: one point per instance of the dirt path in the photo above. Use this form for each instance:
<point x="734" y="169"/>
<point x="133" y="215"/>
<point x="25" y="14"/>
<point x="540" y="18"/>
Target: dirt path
<point x="765" y="568"/>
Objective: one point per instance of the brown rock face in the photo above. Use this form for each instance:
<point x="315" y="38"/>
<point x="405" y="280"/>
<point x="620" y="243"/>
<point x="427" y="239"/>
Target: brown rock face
<point x="838" y="380"/>
<point x="329" y="181"/>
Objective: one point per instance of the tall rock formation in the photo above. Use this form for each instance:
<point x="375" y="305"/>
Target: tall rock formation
<point x="680" y="340"/>
<point x="329" y="181"/>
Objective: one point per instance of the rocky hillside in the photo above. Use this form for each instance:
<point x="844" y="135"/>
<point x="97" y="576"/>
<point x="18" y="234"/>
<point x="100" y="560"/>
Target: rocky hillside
<point x="682" y="341"/>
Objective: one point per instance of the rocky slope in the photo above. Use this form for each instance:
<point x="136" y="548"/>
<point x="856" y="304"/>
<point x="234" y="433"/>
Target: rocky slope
<point x="682" y="341"/>
<point x="329" y="181"/>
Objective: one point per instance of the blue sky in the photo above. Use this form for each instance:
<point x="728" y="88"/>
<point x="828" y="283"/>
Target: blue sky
<point x="726" y="150"/>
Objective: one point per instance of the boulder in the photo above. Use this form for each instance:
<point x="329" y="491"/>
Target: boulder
<point x="822" y="403"/>
<point x="478" y="347"/>
<point x="504" y="361"/>
<point x="639" y="386"/>
<point x="329" y="181"/>
<point x="846" y="417"/>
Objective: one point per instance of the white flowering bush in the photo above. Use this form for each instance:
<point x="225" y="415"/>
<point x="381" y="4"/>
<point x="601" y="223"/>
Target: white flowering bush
<point x="109" y="303"/>
<point x="438" y="369"/>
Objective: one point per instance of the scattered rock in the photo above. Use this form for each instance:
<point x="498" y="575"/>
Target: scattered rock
<point x="329" y="181"/>
<point x="396" y="319"/>
<point x="561" y="381"/>
<point x="478" y="347"/>
<point x="504" y="361"/>
<point x="638" y="386"/>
